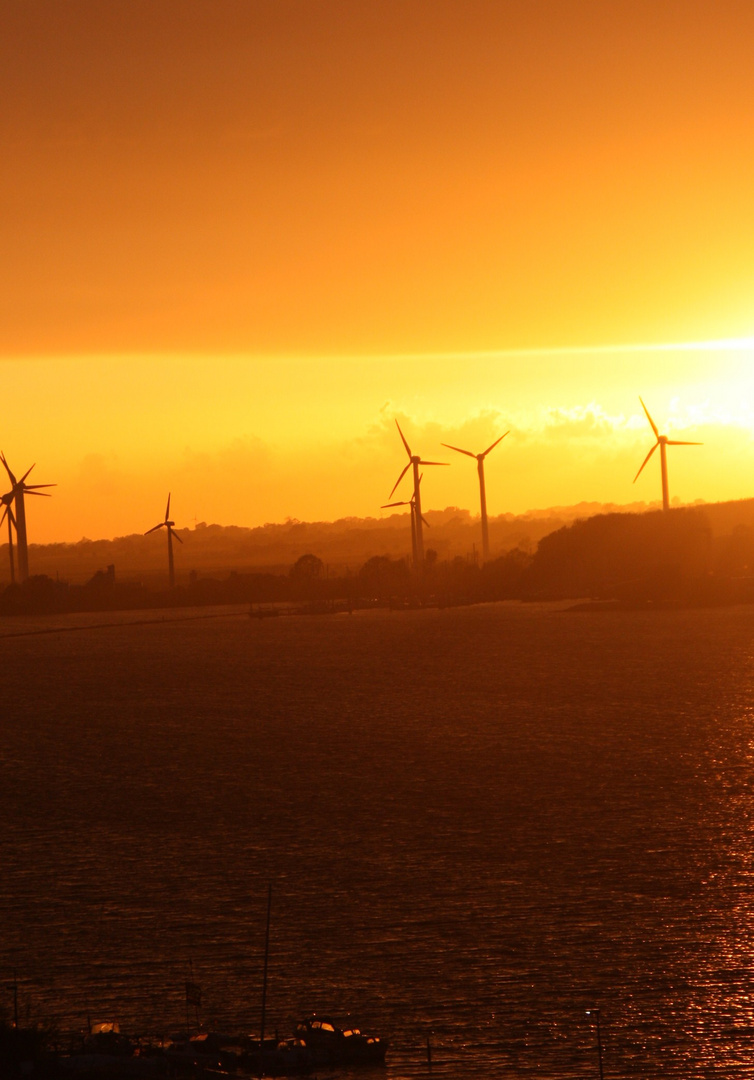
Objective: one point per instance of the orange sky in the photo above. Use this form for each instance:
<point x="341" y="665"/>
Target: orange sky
<point x="238" y="238"/>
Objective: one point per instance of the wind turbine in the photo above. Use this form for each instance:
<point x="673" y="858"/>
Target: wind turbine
<point x="170" y="526"/>
<point x="411" y="502"/>
<point x="414" y="460"/>
<point x="662" y="441"/>
<point x="19" y="489"/>
<point x="7" y="502"/>
<point x="482" y="491"/>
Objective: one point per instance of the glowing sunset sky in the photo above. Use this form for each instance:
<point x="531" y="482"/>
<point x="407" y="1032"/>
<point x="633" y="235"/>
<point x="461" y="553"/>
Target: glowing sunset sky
<point x="239" y="238"/>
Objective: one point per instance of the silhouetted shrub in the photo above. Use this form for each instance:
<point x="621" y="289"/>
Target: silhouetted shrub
<point x="307" y="568"/>
<point x="382" y="577"/>
<point x="38" y="595"/>
<point x="306" y="576"/>
<point x="623" y="556"/>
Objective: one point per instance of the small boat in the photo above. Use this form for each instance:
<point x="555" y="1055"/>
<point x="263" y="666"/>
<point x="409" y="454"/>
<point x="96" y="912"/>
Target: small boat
<point x="331" y="1045"/>
<point x="106" y="1052"/>
<point x="287" y="1057"/>
<point x="108" y="1039"/>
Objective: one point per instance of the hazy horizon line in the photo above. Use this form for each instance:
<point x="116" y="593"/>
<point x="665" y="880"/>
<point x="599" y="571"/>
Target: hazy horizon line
<point x="725" y="344"/>
<point x="561" y="508"/>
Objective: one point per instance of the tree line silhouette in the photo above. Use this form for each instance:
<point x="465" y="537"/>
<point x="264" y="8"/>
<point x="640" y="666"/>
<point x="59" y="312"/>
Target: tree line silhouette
<point x="689" y="555"/>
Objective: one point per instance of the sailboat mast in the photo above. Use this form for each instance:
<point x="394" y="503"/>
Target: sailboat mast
<point x="264" y="980"/>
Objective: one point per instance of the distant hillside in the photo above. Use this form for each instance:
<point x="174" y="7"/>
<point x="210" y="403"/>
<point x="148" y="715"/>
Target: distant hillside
<point x="343" y="544"/>
<point x="695" y="554"/>
<point x="215" y="550"/>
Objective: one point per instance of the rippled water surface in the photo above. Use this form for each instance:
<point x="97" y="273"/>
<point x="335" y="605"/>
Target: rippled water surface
<point x="478" y="823"/>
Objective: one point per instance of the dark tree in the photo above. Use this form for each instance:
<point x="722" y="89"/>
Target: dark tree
<point x="307" y="568"/>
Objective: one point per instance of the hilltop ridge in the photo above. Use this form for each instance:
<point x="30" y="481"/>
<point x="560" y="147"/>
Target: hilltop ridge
<point x="702" y="553"/>
<point x="344" y="544"/>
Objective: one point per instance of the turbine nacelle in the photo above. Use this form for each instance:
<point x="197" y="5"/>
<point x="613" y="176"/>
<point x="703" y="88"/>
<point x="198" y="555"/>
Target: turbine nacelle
<point x="169" y="526"/>
<point x="166" y="524"/>
<point x="484" y="453"/>
<point x="20" y="486"/>
<point x="479" y="458"/>
<point x="15" y="497"/>
<point x="405" y="502"/>
<point x="414" y="460"/>
<point x="662" y="441"/>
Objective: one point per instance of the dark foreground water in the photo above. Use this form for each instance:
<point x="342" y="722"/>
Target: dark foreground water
<point x="478" y="823"/>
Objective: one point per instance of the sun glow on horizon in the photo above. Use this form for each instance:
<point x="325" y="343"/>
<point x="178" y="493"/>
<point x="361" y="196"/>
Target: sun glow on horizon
<point x="245" y="440"/>
<point x="240" y="245"/>
<point x="733" y="344"/>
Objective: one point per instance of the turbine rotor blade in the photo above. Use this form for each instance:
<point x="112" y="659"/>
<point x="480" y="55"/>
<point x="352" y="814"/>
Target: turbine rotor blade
<point x="652" y="424"/>
<point x="486" y="452"/>
<point x="673" y="442"/>
<point x="646" y="459"/>
<point x="385" y="506"/>
<point x="425" y="521"/>
<point x="26" y="474"/>
<point x="7" y="469"/>
<point x="397" y="482"/>
<point x="438" y="462"/>
<point x="457" y="449"/>
<point x="167" y="508"/>
<point x="42" y="494"/>
<point x="33" y="487"/>
<point x="155" y="528"/>
<point x="175" y="534"/>
<point x="408" y="448"/>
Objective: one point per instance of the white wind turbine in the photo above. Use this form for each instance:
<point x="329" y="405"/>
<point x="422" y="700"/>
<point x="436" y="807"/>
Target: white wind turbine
<point x="170" y="526"/>
<point x="412" y="504"/>
<point x="482" y="490"/>
<point x="16" y="496"/>
<point x="662" y="441"/>
<point x="414" y="461"/>
<point x="7" y="503"/>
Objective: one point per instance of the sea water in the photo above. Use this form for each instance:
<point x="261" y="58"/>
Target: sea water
<point x="478" y="823"/>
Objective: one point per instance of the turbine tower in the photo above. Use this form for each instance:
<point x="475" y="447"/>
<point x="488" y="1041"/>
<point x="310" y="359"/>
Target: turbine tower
<point x="170" y="526"/>
<point x="414" y="460"/>
<point x="412" y="504"/>
<point x="7" y="503"/>
<point x="16" y="495"/>
<point x="662" y="441"/>
<point x="482" y="490"/>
